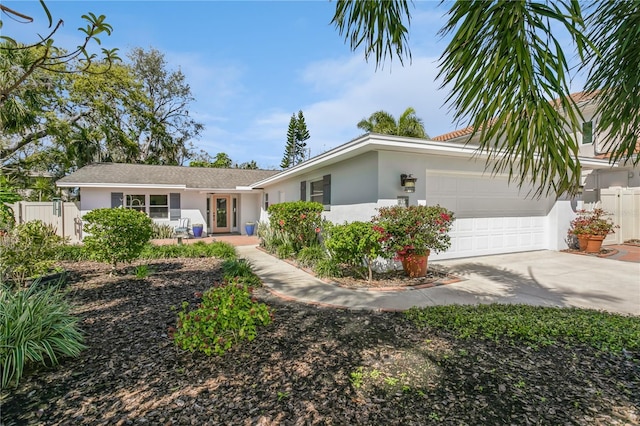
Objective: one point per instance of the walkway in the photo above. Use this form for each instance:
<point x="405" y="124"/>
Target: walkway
<point x="543" y="278"/>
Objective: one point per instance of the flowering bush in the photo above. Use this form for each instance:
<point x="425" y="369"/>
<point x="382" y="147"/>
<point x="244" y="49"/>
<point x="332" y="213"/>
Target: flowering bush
<point x="413" y="229"/>
<point x="592" y="222"/>
<point x="300" y="221"/>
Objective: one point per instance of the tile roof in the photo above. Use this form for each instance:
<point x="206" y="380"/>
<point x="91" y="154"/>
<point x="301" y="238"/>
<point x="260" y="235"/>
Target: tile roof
<point x="144" y="174"/>
<point x="467" y="131"/>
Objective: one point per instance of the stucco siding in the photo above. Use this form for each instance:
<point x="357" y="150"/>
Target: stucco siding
<point x="193" y="204"/>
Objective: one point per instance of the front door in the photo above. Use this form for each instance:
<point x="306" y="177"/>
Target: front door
<point x="221" y="214"/>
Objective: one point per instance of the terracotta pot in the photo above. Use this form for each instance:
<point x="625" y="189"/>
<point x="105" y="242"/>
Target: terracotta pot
<point x="594" y="243"/>
<point x="415" y="265"/>
<point x="582" y="241"/>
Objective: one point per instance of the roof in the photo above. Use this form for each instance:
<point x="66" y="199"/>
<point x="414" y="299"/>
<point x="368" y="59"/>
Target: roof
<point x="578" y="97"/>
<point x="141" y="175"/>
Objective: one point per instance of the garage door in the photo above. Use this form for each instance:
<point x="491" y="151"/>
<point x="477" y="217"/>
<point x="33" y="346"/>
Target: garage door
<point x="492" y="217"/>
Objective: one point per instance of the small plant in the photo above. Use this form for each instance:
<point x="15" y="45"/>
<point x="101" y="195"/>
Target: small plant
<point x="161" y="231"/>
<point x="282" y="395"/>
<point x="310" y="256"/>
<point x="327" y="268"/>
<point x="116" y="235"/>
<point x="142" y="271"/>
<point x="28" y="251"/>
<point x="357" y="377"/>
<point x="36" y="327"/>
<point x="592" y="222"/>
<point x="239" y="270"/>
<point x="227" y="315"/>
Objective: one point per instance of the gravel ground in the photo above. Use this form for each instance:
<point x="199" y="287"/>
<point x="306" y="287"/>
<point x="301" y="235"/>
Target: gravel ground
<point x="310" y="366"/>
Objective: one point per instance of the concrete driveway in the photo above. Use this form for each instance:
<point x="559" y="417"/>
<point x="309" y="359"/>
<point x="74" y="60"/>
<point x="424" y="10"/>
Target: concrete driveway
<point x="547" y="278"/>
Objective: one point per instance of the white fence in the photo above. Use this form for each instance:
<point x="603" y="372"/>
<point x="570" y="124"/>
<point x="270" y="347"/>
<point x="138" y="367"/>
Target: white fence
<point x="624" y="205"/>
<point x="66" y="219"/>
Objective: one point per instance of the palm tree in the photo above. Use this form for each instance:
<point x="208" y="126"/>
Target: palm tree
<point x="506" y="62"/>
<point x="382" y="122"/>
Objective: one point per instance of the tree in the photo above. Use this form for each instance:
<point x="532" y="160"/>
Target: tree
<point x="505" y="65"/>
<point x="382" y="122"/>
<point x="49" y="57"/>
<point x="295" y="148"/>
<point x="221" y="161"/>
<point x="169" y="127"/>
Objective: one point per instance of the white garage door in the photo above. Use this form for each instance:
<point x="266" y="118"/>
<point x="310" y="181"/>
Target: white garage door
<point x="492" y="217"/>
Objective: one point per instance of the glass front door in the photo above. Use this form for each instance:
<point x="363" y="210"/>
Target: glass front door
<point x="221" y="213"/>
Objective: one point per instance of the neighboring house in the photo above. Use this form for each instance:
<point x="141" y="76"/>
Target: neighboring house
<point x="220" y="199"/>
<point x="354" y="179"/>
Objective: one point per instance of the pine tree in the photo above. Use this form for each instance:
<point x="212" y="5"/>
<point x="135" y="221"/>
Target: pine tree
<point x="290" y="147"/>
<point x="302" y="134"/>
<point x="297" y="134"/>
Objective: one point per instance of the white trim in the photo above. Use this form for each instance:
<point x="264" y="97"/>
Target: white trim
<point x="119" y="185"/>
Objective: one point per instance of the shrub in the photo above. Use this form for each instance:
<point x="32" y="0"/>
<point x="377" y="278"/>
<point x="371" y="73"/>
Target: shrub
<point x="311" y="255"/>
<point x="116" y="235"/>
<point x="28" y="250"/>
<point x="413" y="229"/>
<point x="301" y="221"/>
<point x="227" y="315"/>
<point x="161" y="231"/>
<point x="35" y="327"/>
<point x="239" y="270"/>
<point x="327" y="268"/>
<point x="592" y="222"/>
<point x="355" y="244"/>
<point x="217" y="249"/>
<point x="71" y="252"/>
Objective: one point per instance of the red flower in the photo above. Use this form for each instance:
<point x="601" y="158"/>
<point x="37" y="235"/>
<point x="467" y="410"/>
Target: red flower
<point x="317" y="230"/>
<point x="445" y="217"/>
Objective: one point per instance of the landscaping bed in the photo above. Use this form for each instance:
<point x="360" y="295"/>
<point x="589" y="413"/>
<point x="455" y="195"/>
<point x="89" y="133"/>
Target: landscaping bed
<point x="311" y="365"/>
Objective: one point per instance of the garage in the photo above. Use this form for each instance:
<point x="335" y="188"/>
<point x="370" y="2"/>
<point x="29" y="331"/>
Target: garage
<point x="492" y="216"/>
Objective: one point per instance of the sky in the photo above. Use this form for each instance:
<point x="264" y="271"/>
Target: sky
<point x="252" y="64"/>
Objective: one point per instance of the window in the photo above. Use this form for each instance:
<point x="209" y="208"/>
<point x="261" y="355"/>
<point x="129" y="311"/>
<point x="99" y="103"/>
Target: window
<point x="158" y="206"/>
<point x="587" y="132"/>
<point x="317" y="191"/>
<point x="321" y="191"/>
<point x="136" y="202"/>
<point x="266" y="200"/>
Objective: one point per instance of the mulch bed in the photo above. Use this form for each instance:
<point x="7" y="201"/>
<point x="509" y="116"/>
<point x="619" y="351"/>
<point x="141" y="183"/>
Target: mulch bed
<point x="396" y="280"/>
<point x="604" y="252"/>
<point x="311" y="366"/>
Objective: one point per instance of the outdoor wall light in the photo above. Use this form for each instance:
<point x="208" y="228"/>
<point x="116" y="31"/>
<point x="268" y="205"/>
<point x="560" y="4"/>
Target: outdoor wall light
<point x="408" y="182"/>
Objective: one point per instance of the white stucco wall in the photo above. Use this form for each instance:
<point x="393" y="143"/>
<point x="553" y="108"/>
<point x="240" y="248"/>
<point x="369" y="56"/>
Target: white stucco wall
<point x="493" y="216"/>
<point x="193" y="204"/>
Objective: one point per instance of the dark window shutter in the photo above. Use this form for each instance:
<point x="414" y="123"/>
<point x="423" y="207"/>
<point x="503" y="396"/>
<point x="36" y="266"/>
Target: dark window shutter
<point x="303" y="190"/>
<point x="326" y="190"/>
<point x="174" y="206"/>
<point x="587" y="132"/>
<point x="116" y="199"/>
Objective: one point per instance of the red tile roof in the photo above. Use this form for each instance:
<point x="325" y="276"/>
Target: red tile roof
<point x="577" y="98"/>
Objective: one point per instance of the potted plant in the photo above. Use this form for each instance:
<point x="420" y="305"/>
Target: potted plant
<point x="591" y="227"/>
<point x="409" y="234"/>
<point x="250" y="227"/>
<point x="197" y="229"/>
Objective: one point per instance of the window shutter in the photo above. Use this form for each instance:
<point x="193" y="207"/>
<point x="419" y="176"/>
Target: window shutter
<point x="116" y="199"/>
<point x="326" y="190"/>
<point x="587" y="132"/>
<point x="174" y="206"/>
<point x="303" y="190"/>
